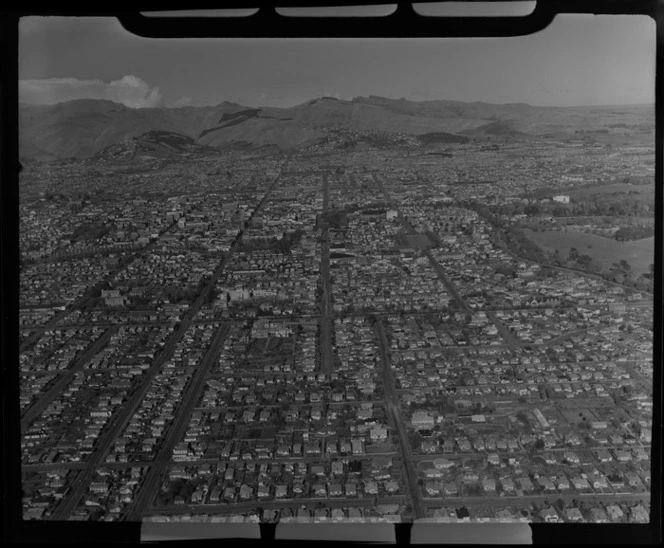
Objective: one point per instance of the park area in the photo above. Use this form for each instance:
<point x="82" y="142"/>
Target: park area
<point x="606" y="251"/>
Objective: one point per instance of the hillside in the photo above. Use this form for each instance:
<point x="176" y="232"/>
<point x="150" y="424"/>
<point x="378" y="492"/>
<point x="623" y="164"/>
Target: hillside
<point x="82" y="128"/>
<point x="153" y="144"/>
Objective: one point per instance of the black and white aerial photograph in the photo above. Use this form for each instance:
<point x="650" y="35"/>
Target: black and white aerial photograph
<point x="320" y="280"/>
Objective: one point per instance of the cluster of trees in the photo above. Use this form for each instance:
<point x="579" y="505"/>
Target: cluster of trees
<point x="90" y="231"/>
<point x="335" y="218"/>
<point x="278" y="245"/>
<point x="517" y="243"/>
<point x="618" y="272"/>
<point x="178" y="488"/>
<point x="177" y="294"/>
<point x="621" y="203"/>
<point x="633" y="233"/>
<point x="575" y="259"/>
<point x="442" y="404"/>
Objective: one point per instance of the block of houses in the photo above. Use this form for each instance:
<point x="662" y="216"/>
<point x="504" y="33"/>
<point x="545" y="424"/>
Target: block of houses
<point x="598" y="515"/>
<point x="505" y="515"/>
<point x="450" y="489"/>
<point x="443" y="464"/>
<point x="246" y="492"/>
<point x="598" y="481"/>
<point x="525" y="484"/>
<point x="640" y="453"/>
<point x="571" y="457"/>
<point x="562" y="482"/>
<point x="429" y="446"/>
<point x="334" y="489"/>
<point x="546" y="484"/>
<point x="549" y="515"/>
<point x="639" y="514"/>
<point x="432" y="488"/>
<point x="449" y="446"/>
<point x="603" y="455"/>
<point x="378" y="433"/>
<point x="622" y="455"/>
<point x="488" y="484"/>
<point x="614" y="512"/>
<point x="573" y="514"/>
<point x="357" y="446"/>
<point x="507" y="485"/>
<point x="580" y="483"/>
<point x="633" y="479"/>
<point x="337" y="468"/>
<point x="616" y="481"/>
<point x="464" y="445"/>
<point x="421" y="420"/>
<point x="391" y="487"/>
<point x="433" y="473"/>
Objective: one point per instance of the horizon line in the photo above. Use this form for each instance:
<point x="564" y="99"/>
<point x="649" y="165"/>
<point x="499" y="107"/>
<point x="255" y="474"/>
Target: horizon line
<point x="595" y="105"/>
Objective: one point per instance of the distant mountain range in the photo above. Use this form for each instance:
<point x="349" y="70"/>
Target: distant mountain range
<point x="86" y="128"/>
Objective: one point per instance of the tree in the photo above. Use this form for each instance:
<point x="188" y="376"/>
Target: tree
<point x="584" y="261"/>
<point x="415" y="440"/>
<point x="573" y="254"/>
<point x="522" y="416"/>
<point x="557" y="257"/>
<point x="629" y="281"/>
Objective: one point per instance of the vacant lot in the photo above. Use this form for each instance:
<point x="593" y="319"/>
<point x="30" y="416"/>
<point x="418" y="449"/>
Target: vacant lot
<point x="639" y="253"/>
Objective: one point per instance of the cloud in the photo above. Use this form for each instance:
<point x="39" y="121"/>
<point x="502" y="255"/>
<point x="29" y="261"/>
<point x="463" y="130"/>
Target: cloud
<point x="129" y="90"/>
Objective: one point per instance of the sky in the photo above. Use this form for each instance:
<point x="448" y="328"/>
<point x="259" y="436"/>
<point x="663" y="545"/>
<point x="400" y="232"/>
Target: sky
<point x="577" y="60"/>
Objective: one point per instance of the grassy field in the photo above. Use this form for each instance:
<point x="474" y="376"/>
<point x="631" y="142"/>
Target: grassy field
<point x="639" y="253"/>
<point x="641" y="191"/>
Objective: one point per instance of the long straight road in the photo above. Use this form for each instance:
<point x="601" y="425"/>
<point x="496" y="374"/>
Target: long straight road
<point x="449" y="286"/>
<point x="325" y="311"/>
<point x="80" y="484"/>
<point x="507" y="336"/>
<point x="392" y="404"/>
<point x="523" y="500"/>
<point x="149" y="487"/>
<point x="446" y="282"/>
<point x="65" y="377"/>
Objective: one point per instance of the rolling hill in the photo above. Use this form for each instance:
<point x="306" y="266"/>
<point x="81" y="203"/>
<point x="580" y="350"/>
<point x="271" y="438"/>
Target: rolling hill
<point x="83" y="128"/>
